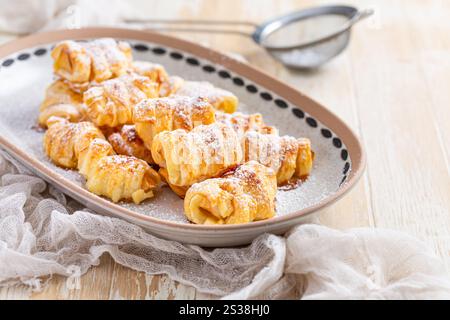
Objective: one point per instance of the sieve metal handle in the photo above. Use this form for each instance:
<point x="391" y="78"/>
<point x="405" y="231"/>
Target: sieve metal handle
<point x="201" y="23"/>
<point x="360" y="15"/>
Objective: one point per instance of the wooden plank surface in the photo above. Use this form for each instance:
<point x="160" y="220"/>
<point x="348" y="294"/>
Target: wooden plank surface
<point x="391" y="86"/>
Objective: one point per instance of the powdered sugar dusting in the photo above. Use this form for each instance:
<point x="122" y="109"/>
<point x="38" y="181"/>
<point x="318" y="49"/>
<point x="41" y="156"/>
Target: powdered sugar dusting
<point x="177" y="112"/>
<point x="127" y="89"/>
<point x="107" y="52"/>
<point x="19" y="113"/>
<point x="242" y="123"/>
<point x="206" y="90"/>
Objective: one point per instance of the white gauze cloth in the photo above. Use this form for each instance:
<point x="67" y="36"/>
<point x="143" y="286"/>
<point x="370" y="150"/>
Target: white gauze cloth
<point x="44" y="233"/>
<point x="27" y="16"/>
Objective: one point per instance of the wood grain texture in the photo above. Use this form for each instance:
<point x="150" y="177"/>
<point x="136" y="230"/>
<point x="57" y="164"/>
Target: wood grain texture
<point x="391" y="86"/>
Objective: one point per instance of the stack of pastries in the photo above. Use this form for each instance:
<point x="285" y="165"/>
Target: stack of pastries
<point x="128" y="127"/>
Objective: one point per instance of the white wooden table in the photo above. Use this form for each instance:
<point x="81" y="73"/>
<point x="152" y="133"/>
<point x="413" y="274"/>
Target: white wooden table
<point x="392" y="86"/>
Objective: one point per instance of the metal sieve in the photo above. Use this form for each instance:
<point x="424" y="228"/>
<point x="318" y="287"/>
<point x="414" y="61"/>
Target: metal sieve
<point x="302" y="39"/>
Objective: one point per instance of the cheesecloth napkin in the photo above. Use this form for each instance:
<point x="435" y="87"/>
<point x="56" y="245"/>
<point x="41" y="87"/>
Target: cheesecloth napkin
<point x="27" y="16"/>
<point x="43" y="233"/>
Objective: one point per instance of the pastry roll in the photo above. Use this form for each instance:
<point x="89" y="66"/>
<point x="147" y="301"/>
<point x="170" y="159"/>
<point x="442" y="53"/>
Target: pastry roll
<point x="154" y="71"/>
<point x="242" y="123"/>
<point x="222" y="100"/>
<point x="61" y="101"/>
<point x="64" y="140"/>
<point x="152" y="116"/>
<point x="170" y="86"/>
<point x="286" y="156"/>
<point x="81" y="145"/>
<point x="179" y="190"/>
<point x="127" y="142"/>
<point x="245" y="195"/>
<point x="189" y="157"/>
<point x="110" y="103"/>
<point x="92" y="61"/>
<point x="117" y="177"/>
<point x="91" y="154"/>
<point x="305" y="158"/>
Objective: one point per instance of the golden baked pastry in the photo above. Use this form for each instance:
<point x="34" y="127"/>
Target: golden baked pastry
<point x="286" y="156"/>
<point x="63" y="140"/>
<point x="221" y="99"/>
<point x="96" y="60"/>
<point x="82" y="145"/>
<point x="179" y="190"/>
<point x="91" y="154"/>
<point x="189" y="157"/>
<point x="154" y="71"/>
<point x="242" y="123"/>
<point x="61" y="101"/>
<point x="305" y="158"/>
<point x="245" y="195"/>
<point x="152" y="116"/>
<point x="127" y="142"/>
<point x="170" y="86"/>
<point x="117" y="177"/>
<point x="226" y="164"/>
<point x="110" y="103"/>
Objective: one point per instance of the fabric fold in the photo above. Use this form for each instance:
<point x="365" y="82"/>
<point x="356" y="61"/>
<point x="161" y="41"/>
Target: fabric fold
<point x="44" y="233"/>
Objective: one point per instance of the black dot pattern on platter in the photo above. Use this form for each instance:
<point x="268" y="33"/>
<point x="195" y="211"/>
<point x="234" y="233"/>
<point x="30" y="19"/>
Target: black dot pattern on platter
<point x="266" y="96"/>
<point x="23" y="56"/>
<point x="238" y="81"/>
<point x="209" y="68"/>
<point x="281" y="103"/>
<point x="346" y="168"/>
<point x="224" y="74"/>
<point x="7" y="62"/>
<point x="337" y="142"/>
<point x="326" y="133"/>
<point x="251" y="88"/>
<point x="159" y="51"/>
<point x="344" y="154"/>
<point x="192" y="61"/>
<point x="176" y="55"/>
<point x="298" y="113"/>
<point x="141" y="47"/>
<point x="40" y="52"/>
<point x="312" y="122"/>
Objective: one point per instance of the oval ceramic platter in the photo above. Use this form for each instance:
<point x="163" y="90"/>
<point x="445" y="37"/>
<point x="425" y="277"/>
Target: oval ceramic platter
<point x="26" y="70"/>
